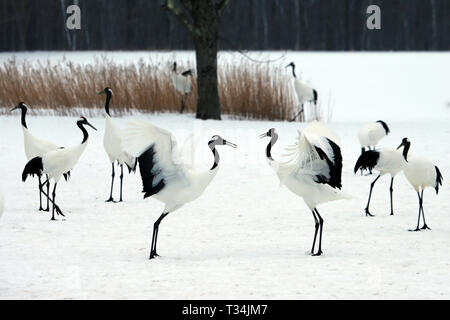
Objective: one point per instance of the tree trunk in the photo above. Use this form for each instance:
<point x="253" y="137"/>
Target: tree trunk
<point x="208" y="93"/>
<point x="206" y="19"/>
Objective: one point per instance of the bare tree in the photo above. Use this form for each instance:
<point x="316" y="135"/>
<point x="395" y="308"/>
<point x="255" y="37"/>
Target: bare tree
<point x="201" y="18"/>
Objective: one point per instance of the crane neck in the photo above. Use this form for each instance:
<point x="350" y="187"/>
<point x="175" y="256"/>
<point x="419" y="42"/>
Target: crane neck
<point x="24" y="113"/>
<point x="212" y="146"/>
<point x="108" y="99"/>
<point x="83" y="129"/>
<point x="272" y="142"/>
<point x="293" y="72"/>
<point x="406" y="150"/>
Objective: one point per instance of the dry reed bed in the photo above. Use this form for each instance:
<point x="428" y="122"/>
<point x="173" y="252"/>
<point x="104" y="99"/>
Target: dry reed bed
<point x="247" y="90"/>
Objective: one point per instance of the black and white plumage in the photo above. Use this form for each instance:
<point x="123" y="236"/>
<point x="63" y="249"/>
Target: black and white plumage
<point x="371" y="133"/>
<point x="56" y="163"/>
<point x="313" y="170"/>
<point x="385" y="161"/>
<point x="422" y="173"/>
<point x="35" y="147"/>
<point x="304" y="93"/>
<point x="163" y="176"/>
<point x="112" y="142"/>
<point x="182" y="83"/>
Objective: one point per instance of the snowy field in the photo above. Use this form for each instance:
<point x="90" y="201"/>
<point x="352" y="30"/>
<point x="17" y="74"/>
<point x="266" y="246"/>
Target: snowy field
<point x="245" y="238"/>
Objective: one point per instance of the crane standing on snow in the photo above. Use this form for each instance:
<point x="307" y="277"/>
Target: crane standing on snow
<point x="370" y="134"/>
<point x="112" y="143"/>
<point x="35" y="147"/>
<point x="162" y="175"/>
<point x="386" y="161"/>
<point x="313" y="171"/>
<point x="182" y="83"/>
<point x="55" y="163"/>
<point x="304" y="93"/>
<point x="422" y="173"/>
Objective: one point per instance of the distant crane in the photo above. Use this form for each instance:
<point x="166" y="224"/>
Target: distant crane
<point x="55" y="163"/>
<point x="182" y="83"/>
<point x="112" y="142"/>
<point x="313" y="171"/>
<point x="370" y="134"/>
<point x="163" y="176"/>
<point x="35" y="147"/>
<point x="304" y="93"/>
<point x="386" y="161"/>
<point x="422" y="173"/>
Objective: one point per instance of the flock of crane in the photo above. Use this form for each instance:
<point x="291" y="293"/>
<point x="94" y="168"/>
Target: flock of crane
<point x="311" y="169"/>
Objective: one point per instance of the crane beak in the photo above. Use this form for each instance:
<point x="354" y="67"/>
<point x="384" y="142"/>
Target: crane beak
<point x="264" y="135"/>
<point x="401" y="145"/>
<point x="229" y="144"/>
<point x="102" y="92"/>
<point x="15" y="108"/>
<point x="90" y="125"/>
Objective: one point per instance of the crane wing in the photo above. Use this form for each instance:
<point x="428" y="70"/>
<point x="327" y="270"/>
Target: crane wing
<point x="315" y="154"/>
<point x="155" y="150"/>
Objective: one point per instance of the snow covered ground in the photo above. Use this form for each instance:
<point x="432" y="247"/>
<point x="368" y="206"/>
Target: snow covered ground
<point x="245" y="238"/>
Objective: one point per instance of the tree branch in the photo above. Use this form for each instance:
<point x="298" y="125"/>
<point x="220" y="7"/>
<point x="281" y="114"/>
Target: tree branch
<point x="178" y="12"/>
<point x="221" y="6"/>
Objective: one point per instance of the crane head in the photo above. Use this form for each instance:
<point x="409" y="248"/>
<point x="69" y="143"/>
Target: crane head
<point x="405" y="143"/>
<point x="218" y="140"/>
<point x="20" y="105"/>
<point x="106" y="91"/>
<point x="272" y="132"/>
<point x="84" y="121"/>
<point x="292" y="64"/>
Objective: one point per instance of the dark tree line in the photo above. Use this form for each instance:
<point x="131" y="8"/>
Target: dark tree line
<point x="246" y="24"/>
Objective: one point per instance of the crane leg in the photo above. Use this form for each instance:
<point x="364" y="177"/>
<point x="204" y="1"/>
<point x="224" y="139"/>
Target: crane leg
<point x="56" y="207"/>
<point x="299" y="113"/>
<point x="182" y="104"/>
<point x="315" y="232"/>
<point x="48" y="191"/>
<point x="112" y="183"/>
<point x="370" y="196"/>
<point x="121" y="181"/>
<point x="319" y="252"/>
<point x="40" y="195"/>
<point x="391" y="191"/>
<point x="420" y="210"/>
<point x="153" y="253"/>
<point x="425" y="227"/>
<point x="54" y="197"/>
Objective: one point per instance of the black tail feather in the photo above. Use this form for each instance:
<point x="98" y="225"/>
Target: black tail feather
<point x="66" y="175"/>
<point x="439" y="179"/>
<point x="34" y="166"/>
<point x="367" y="160"/>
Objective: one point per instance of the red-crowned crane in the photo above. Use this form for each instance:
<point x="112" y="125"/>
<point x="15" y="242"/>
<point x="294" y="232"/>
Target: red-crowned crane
<point x="422" y="173"/>
<point x="370" y="134"/>
<point x="55" y="163"/>
<point x="35" y="147"/>
<point x="313" y="170"/>
<point x="385" y="161"/>
<point x="304" y="93"/>
<point x="182" y="83"/>
<point x="112" y="142"/>
<point x="163" y="177"/>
